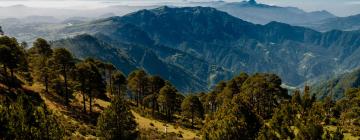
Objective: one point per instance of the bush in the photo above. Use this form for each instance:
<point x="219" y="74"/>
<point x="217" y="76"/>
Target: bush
<point x="333" y="121"/>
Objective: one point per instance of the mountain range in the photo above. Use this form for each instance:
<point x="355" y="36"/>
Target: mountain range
<point x="262" y="14"/>
<point x="28" y="23"/>
<point x="207" y="45"/>
<point x="196" y="47"/>
<point x="349" y="23"/>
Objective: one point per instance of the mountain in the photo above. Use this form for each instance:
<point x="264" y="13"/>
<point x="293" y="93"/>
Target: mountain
<point x="27" y="23"/>
<point x="262" y="14"/>
<point x="228" y="44"/>
<point x="131" y="57"/>
<point x="340" y="23"/>
<point x="337" y="86"/>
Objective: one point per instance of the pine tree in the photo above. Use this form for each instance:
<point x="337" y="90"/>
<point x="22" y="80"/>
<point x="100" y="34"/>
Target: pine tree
<point x="119" y="82"/>
<point x="232" y="121"/>
<point x="191" y="107"/>
<point x="12" y="56"/>
<point x="155" y="85"/>
<point x="138" y="84"/>
<point x="64" y="62"/>
<point x="40" y="54"/>
<point x="91" y="81"/>
<point x="110" y="68"/>
<point x="167" y="100"/>
<point x="117" y="122"/>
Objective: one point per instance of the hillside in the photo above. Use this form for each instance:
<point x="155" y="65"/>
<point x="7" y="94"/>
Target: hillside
<point x="131" y="57"/>
<point x="337" y="86"/>
<point x="223" y="45"/>
<point x="47" y="93"/>
<point x="349" y="23"/>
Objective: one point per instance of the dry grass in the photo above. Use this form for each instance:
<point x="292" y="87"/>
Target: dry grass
<point x="71" y="116"/>
<point x="67" y="114"/>
<point x="144" y="123"/>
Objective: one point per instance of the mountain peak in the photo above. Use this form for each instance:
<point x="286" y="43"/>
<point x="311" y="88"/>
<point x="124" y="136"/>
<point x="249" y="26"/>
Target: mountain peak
<point x="253" y="2"/>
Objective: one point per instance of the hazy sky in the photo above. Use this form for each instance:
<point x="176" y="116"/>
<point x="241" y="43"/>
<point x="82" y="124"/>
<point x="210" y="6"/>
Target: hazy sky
<point x="338" y="7"/>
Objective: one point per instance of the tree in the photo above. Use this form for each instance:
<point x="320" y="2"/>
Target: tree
<point x="12" y="56"/>
<point x="5" y="53"/>
<point x="91" y="82"/>
<point x="155" y="85"/>
<point x="117" y="122"/>
<point x="350" y="111"/>
<point x="24" y="120"/>
<point x="263" y="93"/>
<point x="119" y="82"/>
<point x="234" y="120"/>
<point x="191" y="107"/>
<point x="40" y="54"/>
<point x="110" y="68"/>
<point x="211" y="102"/>
<point x="166" y="100"/>
<point x="138" y="83"/>
<point x="64" y="61"/>
<point x="281" y="123"/>
<point x="82" y="70"/>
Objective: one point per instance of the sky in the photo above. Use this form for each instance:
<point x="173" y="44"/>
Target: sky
<point x="337" y="7"/>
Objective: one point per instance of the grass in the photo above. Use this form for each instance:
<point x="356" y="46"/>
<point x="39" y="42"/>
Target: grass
<point x="144" y="123"/>
<point x="76" y="122"/>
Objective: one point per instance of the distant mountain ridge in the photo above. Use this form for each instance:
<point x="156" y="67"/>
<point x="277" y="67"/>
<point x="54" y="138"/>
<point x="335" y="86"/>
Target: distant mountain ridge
<point x="228" y="44"/>
<point x="349" y="23"/>
<point x="262" y="14"/>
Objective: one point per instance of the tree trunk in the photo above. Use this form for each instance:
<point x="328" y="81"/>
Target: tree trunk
<point x="84" y="98"/>
<point x="12" y="76"/>
<point x="5" y="71"/>
<point x="110" y="82"/>
<point x="6" y="77"/>
<point x="192" y="119"/>
<point x="90" y="96"/>
<point x="84" y="102"/>
<point x="66" y="86"/>
<point x="119" y="90"/>
<point x="153" y="106"/>
<point x="46" y="84"/>
<point x="137" y="99"/>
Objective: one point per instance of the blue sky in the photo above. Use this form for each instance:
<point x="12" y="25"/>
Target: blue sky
<point x="338" y="7"/>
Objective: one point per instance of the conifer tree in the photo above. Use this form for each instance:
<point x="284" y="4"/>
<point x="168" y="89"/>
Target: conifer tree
<point x="117" y="122"/>
<point x="191" y="107"/>
<point x="40" y="54"/>
<point x="138" y="84"/>
<point x="64" y="62"/>
<point x="167" y="100"/>
<point x="119" y="82"/>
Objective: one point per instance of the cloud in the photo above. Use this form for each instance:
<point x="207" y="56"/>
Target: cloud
<point x="353" y="2"/>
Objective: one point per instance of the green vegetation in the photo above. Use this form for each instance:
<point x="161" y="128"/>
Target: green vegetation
<point x="45" y="94"/>
<point x="117" y="122"/>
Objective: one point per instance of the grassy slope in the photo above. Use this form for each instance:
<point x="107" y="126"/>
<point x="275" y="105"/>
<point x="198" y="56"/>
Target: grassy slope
<point x="144" y="123"/>
<point x="76" y="120"/>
